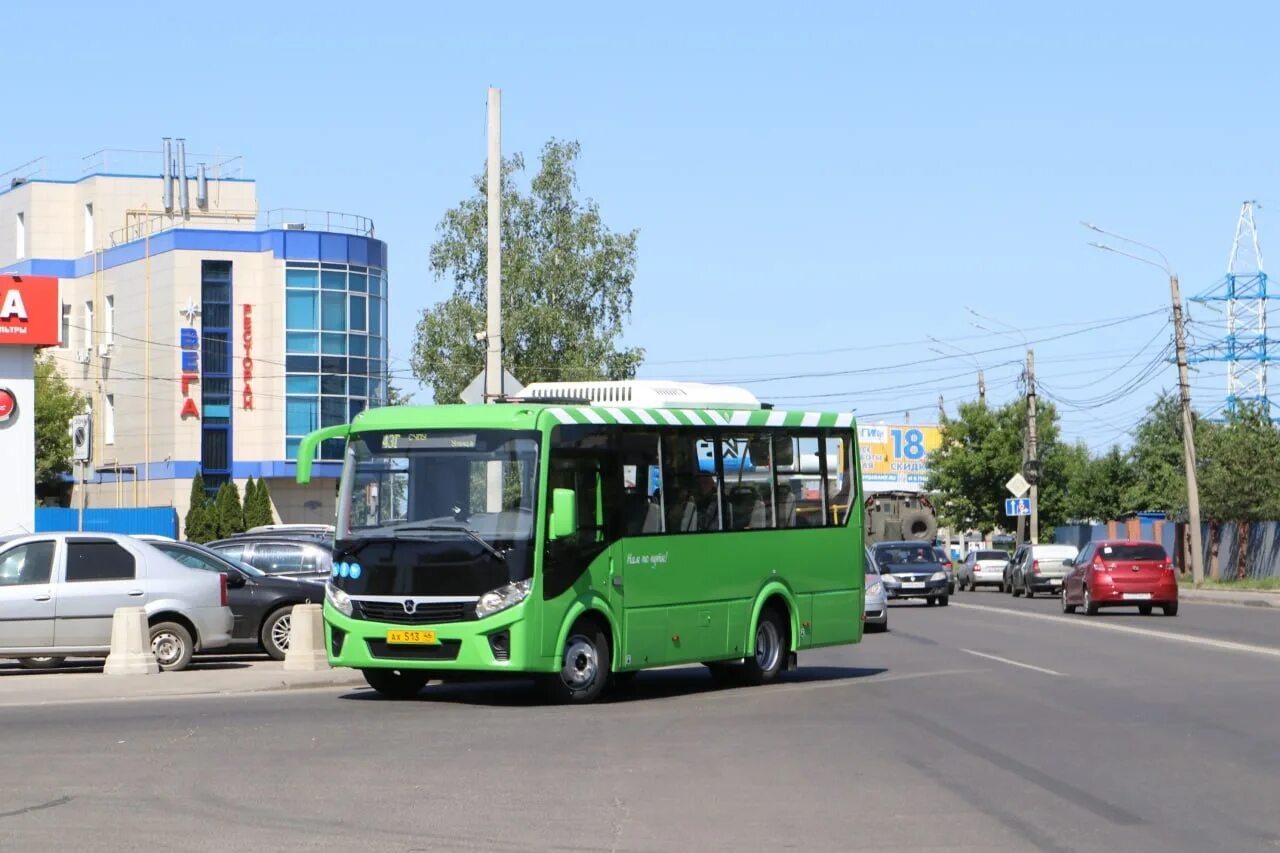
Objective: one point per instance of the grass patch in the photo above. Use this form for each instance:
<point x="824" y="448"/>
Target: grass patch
<point x="1259" y="584"/>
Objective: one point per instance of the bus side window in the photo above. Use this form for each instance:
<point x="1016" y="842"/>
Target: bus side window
<point x="690" y="493"/>
<point x="641" y="507"/>
<point x="798" y="480"/>
<point x="840" y="479"/>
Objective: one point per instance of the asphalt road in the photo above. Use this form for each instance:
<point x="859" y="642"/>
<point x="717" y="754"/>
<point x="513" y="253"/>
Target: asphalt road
<point x="992" y="724"/>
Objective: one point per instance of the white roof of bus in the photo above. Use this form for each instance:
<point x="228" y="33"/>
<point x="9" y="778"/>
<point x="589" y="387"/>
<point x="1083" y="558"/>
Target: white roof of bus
<point x="647" y="393"/>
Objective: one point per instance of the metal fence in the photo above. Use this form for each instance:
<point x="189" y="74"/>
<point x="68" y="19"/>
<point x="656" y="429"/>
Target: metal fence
<point x="1222" y="543"/>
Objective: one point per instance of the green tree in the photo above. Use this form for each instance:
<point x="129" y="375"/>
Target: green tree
<point x="248" y="502"/>
<point x="198" y="526"/>
<point x="1160" y="481"/>
<point x="981" y="449"/>
<point x="1239" y="466"/>
<point x="1101" y="488"/>
<point x="566" y="284"/>
<point x="56" y="403"/>
<point x="228" y="512"/>
<point x="257" y="505"/>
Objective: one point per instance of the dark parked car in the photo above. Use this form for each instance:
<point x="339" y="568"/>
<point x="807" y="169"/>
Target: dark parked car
<point x="308" y="557"/>
<point x="912" y="570"/>
<point x="260" y="603"/>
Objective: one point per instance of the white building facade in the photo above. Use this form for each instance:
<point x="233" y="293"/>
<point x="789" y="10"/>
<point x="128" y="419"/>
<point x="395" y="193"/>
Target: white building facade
<point x="208" y="336"/>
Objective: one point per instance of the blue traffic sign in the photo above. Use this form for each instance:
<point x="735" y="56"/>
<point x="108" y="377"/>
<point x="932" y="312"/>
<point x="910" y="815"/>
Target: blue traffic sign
<point x="1017" y="506"/>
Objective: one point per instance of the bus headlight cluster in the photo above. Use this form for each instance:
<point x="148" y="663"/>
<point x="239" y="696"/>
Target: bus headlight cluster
<point x="503" y="597"/>
<point x="339" y="599"/>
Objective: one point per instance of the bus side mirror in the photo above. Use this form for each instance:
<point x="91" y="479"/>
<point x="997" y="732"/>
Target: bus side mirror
<point x="564" y="513"/>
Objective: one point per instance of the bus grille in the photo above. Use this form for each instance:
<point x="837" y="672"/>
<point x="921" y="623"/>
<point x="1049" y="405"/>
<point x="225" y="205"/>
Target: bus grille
<point x="424" y="614"/>
<point x="445" y="650"/>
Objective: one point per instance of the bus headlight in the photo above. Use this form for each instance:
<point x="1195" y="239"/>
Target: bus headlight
<point x="503" y="597"/>
<point x="340" y="600"/>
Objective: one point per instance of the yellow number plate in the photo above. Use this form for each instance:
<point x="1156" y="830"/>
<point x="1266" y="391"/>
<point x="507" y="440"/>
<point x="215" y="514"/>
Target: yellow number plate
<point x="412" y="637"/>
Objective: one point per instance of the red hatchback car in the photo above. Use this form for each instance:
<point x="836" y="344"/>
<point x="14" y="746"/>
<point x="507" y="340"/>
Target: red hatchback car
<point x="1121" y="574"/>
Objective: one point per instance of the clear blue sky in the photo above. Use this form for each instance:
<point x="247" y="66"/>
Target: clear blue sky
<point x="844" y="176"/>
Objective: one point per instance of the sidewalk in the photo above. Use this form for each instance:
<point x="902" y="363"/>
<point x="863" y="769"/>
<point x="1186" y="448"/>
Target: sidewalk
<point x="1252" y="598"/>
<point x="82" y="680"/>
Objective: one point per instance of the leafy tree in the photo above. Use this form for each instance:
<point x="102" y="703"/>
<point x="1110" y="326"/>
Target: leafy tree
<point x="198" y="525"/>
<point x="1239" y="464"/>
<point x="56" y="403"/>
<point x="1159" y="472"/>
<point x="981" y="449"/>
<point x="228" y="513"/>
<point x="566" y="284"/>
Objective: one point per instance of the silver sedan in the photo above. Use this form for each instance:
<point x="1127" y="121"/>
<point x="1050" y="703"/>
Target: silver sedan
<point x="875" y="615"/>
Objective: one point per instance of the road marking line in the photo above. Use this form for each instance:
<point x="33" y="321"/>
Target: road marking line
<point x="1012" y="662"/>
<point x="1226" y="645"/>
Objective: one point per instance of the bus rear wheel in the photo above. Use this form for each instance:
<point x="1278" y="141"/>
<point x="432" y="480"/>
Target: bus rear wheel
<point x="585" y="669"/>
<point x="397" y="683"/>
<point x="772" y="644"/>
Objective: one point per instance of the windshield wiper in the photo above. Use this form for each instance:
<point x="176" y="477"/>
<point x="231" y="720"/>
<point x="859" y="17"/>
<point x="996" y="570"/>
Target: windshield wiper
<point x="429" y="526"/>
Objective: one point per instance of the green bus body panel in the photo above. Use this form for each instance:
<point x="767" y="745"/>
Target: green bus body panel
<point x="683" y="598"/>
<point x="307" y="448"/>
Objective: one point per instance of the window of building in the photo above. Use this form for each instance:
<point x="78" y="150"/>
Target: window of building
<point x="20" y="236"/>
<point x="88" y="226"/>
<point x="215" y="382"/>
<point x="88" y="325"/>
<point x="109" y="420"/>
<point x="109" y="321"/>
<point x="65" y="337"/>
<point x="98" y="560"/>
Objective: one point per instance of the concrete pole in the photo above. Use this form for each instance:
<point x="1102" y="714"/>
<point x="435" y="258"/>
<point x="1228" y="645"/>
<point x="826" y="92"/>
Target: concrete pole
<point x="493" y="296"/>
<point x="1033" y="449"/>
<point x="1188" y="435"/>
<point x="493" y="277"/>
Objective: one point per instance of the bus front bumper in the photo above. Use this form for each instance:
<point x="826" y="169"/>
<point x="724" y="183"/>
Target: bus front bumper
<point x="503" y="642"/>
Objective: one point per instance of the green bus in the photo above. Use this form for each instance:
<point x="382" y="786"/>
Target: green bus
<point x="579" y="534"/>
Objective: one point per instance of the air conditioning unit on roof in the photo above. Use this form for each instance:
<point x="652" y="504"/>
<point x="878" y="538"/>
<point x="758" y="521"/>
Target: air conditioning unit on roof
<point x="646" y="394"/>
<point x="295" y="226"/>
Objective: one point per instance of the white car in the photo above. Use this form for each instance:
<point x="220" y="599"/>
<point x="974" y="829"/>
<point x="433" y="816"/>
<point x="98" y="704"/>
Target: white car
<point x="875" y="616"/>
<point x="982" y="568"/>
<point x="59" y="591"/>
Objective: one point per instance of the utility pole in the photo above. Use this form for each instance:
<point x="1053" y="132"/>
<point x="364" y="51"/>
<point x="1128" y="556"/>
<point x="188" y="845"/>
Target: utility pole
<point x="493" y="286"/>
<point x="1033" y="450"/>
<point x="1188" y="434"/>
<point x="942" y="409"/>
<point x="982" y="389"/>
<point x="493" y="270"/>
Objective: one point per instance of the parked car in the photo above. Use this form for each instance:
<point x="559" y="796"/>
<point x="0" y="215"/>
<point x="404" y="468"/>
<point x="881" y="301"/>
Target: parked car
<point x="309" y="558"/>
<point x="948" y="566"/>
<point x="911" y="570"/>
<point x="261" y="603"/>
<point x="59" y="591"/>
<point x="1007" y="584"/>
<point x="301" y="531"/>
<point x="1115" y="573"/>
<point x="1040" y="568"/>
<point x="875" y="616"/>
<point x="983" y="568"/>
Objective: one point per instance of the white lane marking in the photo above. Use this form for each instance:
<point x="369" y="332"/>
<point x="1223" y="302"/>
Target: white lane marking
<point x="1012" y="662"/>
<point x="1080" y="622"/>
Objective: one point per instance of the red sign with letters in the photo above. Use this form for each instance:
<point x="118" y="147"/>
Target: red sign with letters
<point x="30" y="314"/>
<point x="246" y="399"/>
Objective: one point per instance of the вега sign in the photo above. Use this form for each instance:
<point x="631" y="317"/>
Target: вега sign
<point x="30" y="315"/>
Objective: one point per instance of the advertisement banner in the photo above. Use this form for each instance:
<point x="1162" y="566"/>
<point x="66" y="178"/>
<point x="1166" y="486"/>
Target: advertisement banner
<point x="896" y="456"/>
<point x="30" y="312"/>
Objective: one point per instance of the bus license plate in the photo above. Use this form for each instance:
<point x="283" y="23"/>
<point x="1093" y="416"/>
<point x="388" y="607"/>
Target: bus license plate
<point x="417" y="638"/>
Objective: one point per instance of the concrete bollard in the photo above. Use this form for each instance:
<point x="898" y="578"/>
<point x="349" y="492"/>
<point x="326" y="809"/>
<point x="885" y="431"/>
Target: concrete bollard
<point x="306" y="640"/>
<point x="130" y="644"/>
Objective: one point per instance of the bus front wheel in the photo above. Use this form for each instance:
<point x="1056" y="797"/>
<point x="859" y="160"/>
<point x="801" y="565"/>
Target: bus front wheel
<point x="585" y="669"/>
<point x="397" y="683"/>
<point x="771" y="648"/>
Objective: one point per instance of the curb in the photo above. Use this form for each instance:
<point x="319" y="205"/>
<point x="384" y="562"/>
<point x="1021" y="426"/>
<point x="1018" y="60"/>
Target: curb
<point x="194" y="691"/>
<point x="1243" y="598"/>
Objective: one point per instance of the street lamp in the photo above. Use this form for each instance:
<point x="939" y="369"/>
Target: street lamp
<point x="1184" y="390"/>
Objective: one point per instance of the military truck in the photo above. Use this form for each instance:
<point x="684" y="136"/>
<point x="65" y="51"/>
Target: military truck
<point x="899" y="515"/>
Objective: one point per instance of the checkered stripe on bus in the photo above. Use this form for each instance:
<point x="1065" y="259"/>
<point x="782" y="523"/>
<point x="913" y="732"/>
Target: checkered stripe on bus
<point x="699" y="417"/>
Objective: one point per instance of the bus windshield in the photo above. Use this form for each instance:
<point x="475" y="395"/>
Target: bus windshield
<point x="481" y="484"/>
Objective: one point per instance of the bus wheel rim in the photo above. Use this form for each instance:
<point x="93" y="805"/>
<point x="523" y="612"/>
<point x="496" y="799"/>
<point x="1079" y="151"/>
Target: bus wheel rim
<point x="767" y="645"/>
<point x="580" y="663"/>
